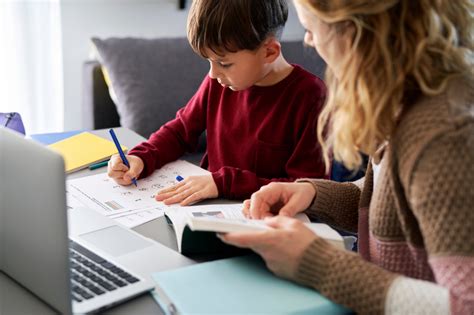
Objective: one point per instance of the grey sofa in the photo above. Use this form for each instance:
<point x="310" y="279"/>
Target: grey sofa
<point x="163" y="73"/>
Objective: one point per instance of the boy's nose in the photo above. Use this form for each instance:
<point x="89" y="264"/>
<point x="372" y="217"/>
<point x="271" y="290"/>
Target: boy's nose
<point x="213" y="73"/>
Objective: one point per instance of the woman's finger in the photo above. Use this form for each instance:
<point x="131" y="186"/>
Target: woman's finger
<point x="245" y="208"/>
<point x="290" y="209"/>
<point x="281" y="222"/>
<point x="258" y="208"/>
<point x="251" y="240"/>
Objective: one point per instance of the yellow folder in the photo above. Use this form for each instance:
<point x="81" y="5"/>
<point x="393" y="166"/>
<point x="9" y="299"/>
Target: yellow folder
<point x="84" y="149"/>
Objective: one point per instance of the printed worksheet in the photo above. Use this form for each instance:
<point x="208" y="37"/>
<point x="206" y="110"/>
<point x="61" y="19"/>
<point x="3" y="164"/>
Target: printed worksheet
<point x="129" y="204"/>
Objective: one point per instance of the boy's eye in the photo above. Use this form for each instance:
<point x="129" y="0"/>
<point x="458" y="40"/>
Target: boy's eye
<point x="225" y="65"/>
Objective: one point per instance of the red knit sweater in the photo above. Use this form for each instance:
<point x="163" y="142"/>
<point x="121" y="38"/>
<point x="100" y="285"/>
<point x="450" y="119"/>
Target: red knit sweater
<point x="254" y="136"/>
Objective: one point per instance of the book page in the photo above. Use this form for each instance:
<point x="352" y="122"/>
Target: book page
<point x="180" y="216"/>
<point x="222" y="224"/>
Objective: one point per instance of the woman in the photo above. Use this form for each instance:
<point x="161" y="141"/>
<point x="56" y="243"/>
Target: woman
<point x="400" y="80"/>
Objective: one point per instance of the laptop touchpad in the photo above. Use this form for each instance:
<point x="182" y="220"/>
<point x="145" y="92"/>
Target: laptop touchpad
<point x="115" y="240"/>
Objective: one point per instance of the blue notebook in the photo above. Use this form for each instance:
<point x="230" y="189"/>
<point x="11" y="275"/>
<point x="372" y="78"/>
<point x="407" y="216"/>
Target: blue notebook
<point x="240" y="285"/>
<point x="50" y="138"/>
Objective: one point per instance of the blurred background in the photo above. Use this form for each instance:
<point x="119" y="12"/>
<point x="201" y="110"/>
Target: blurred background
<point x="44" y="43"/>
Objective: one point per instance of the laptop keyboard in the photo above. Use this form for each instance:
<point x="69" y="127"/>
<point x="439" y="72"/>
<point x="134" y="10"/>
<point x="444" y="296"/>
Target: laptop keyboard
<point x="93" y="275"/>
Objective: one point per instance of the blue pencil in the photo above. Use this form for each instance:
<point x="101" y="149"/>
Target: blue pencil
<point x="122" y="155"/>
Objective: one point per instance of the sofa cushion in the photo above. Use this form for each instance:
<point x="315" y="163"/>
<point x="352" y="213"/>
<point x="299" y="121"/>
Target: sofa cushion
<point x="151" y="78"/>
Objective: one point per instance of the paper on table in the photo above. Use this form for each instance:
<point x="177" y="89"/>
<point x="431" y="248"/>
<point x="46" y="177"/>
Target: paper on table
<point x="73" y="201"/>
<point x="101" y="193"/>
<point x="138" y="217"/>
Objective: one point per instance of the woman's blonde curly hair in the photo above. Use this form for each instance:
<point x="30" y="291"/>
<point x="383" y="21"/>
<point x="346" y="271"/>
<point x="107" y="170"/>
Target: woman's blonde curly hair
<point x="401" y="50"/>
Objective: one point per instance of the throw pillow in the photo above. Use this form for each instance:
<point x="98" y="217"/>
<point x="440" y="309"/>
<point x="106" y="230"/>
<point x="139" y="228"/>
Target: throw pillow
<point x="151" y="78"/>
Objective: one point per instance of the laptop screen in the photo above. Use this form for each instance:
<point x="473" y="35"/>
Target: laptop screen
<point x="33" y="218"/>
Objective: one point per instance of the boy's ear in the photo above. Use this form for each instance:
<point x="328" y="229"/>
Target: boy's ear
<point x="272" y="49"/>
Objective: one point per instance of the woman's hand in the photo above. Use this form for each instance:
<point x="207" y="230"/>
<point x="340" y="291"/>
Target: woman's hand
<point x="120" y="172"/>
<point x="281" y="247"/>
<point x="190" y="190"/>
<point x="286" y="199"/>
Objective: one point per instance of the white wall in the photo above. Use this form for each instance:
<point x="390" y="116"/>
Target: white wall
<point x="83" y="19"/>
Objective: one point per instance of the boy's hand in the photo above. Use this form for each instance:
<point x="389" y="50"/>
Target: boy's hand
<point x="190" y="190"/>
<point x="121" y="173"/>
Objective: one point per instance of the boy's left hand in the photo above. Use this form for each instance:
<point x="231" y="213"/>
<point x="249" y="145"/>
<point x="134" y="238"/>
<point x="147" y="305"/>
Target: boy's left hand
<point x="190" y="190"/>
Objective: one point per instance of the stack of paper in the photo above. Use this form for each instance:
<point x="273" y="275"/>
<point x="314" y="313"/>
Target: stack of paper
<point x="84" y="149"/>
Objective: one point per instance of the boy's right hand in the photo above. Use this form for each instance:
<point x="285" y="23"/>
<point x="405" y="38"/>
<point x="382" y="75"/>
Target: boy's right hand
<point x="120" y="173"/>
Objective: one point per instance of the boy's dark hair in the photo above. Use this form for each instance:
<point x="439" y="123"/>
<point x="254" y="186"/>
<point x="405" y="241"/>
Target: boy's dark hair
<point x="233" y="25"/>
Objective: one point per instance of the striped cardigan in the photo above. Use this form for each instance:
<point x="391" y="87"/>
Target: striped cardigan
<point x="415" y="224"/>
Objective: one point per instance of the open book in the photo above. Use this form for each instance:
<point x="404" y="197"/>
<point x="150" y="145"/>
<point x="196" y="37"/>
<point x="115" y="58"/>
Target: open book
<point x="196" y="226"/>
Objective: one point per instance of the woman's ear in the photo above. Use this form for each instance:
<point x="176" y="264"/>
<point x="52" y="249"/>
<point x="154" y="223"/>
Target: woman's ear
<point x="271" y="49"/>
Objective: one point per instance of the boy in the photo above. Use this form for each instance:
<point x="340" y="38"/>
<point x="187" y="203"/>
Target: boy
<point x="259" y="111"/>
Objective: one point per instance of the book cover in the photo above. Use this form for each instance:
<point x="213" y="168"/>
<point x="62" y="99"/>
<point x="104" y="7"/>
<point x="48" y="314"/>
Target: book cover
<point x="84" y="149"/>
<point x="202" y="242"/>
<point x="239" y="285"/>
<point x="50" y="138"/>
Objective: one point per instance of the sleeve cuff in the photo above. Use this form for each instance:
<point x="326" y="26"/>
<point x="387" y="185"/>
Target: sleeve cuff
<point x="323" y="199"/>
<point x="344" y="277"/>
<point x="314" y="262"/>
<point x="218" y="178"/>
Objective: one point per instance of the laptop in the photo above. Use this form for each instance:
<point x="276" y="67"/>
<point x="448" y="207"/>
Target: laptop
<point x="76" y="260"/>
